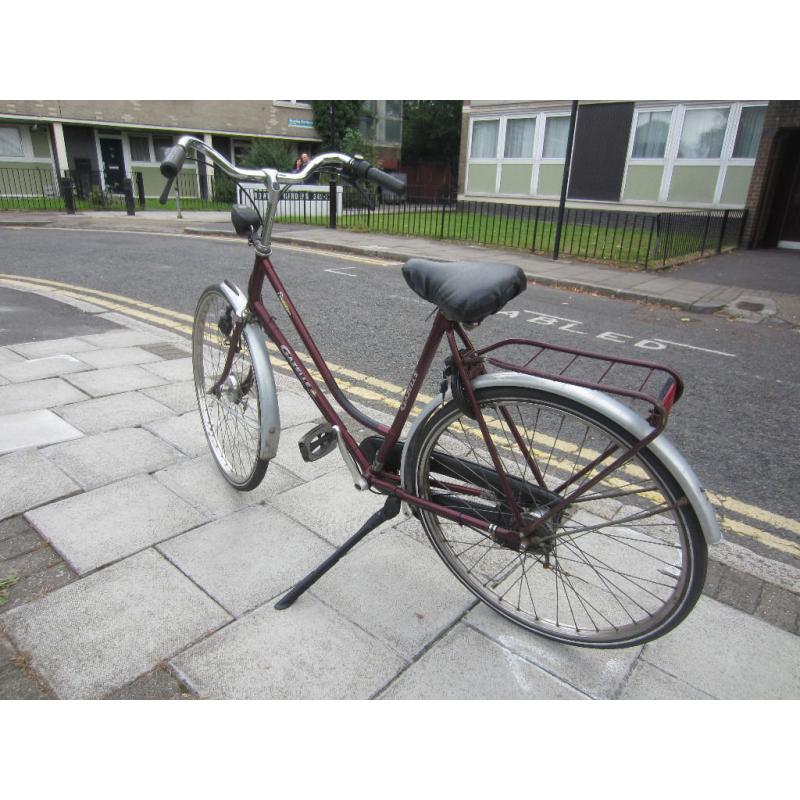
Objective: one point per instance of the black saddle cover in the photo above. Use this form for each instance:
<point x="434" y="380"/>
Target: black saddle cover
<point x="465" y="291"/>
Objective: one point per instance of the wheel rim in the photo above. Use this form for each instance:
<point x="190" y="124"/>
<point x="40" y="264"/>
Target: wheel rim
<point x="619" y="562"/>
<point x="231" y="419"/>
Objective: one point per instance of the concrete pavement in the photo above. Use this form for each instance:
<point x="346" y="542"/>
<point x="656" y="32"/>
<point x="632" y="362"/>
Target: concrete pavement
<point x="137" y="572"/>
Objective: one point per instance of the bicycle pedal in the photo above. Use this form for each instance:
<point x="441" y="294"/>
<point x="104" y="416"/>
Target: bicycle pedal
<point x="318" y="442"/>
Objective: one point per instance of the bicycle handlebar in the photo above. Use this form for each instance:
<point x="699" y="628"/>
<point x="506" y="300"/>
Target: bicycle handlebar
<point x="356" y="167"/>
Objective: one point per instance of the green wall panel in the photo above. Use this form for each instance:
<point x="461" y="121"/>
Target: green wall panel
<point x="482" y="178"/>
<point x="550" y="177"/>
<point x="643" y="182"/>
<point x="515" y="178"/>
<point x="737" y="182"/>
<point x="693" y="184"/>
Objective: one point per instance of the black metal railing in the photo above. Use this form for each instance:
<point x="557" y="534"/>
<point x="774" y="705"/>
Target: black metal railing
<point x="642" y="239"/>
<point x="30" y="188"/>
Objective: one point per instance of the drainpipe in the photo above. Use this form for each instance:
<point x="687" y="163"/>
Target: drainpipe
<point x="565" y="178"/>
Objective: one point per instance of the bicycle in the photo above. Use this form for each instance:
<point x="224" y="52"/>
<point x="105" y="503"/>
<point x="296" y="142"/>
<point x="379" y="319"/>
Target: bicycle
<point x="542" y="482"/>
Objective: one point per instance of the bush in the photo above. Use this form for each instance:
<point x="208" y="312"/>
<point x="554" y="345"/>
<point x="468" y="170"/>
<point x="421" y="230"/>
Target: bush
<point x="274" y="153"/>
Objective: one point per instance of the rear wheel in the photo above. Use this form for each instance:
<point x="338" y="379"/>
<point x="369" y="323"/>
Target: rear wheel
<point x="229" y="410"/>
<point x="622" y="565"/>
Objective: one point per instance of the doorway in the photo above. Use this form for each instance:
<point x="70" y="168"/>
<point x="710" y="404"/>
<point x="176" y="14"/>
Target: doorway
<point x="783" y="227"/>
<point x="113" y="164"/>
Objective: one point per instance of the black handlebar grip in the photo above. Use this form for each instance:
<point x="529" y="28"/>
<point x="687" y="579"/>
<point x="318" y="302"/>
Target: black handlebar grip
<point x="167" y="188"/>
<point x="173" y="162"/>
<point x="386" y="180"/>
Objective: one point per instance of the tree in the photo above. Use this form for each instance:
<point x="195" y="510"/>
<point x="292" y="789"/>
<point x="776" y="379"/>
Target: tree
<point x="275" y="153"/>
<point x="332" y="119"/>
<point x="431" y="131"/>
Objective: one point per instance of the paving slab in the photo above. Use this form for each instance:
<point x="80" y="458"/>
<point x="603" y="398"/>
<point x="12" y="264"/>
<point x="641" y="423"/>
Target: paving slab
<point x="176" y="369"/>
<point x="47" y="393"/>
<point x="184" y="432"/>
<point x="113" y="380"/>
<point x="100" y="633"/>
<point x="647" y="682"/>
<point x="296" y="409"/>
<point x="465" y="665"/>
<point x="38" y="368"/>
<point x="178" y="397"/>
<point x="34" y="429"/>
<point x="126" y="410"/>
<point x="730" y="655"/>
<point x="126" y="337"/>
<point x="329" y="506"/>
<point x="8" y="356"/>
<point x="50" y="347"/>
<point x="28" y="479"/>
<point x="117" y="357"/>
<point x="308" y="652"/>
<point x="247" y="558"/>
<point x="598" y="673"/>
<point x="98" y="527"/>
<point x="199" y="482"/>
<point x="107" y="457"/>
<point x="406" y="605"/>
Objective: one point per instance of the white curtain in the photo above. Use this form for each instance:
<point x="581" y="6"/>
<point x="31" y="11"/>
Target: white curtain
<point x="703" y="133"/>
<point x="484" y="139"/>
<point x="10" y="142"/>
<point x="748" y="136"/>
<point x="519" y="138"/>
<point x="556" y="133"/>
<point x="652" y="128"/>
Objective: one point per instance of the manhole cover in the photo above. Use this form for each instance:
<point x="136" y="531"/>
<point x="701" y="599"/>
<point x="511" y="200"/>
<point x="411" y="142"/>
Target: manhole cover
<point x="745" y="306"/>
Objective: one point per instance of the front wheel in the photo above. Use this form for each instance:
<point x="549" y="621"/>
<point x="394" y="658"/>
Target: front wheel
<point x="230" y="409"/>
<point x="620" y="566"/>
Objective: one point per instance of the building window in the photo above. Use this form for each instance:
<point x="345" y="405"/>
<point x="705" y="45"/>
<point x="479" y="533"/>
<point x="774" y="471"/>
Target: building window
<point x="161" y="146"/>
<point x="241" y="147"/>
<point x="652" y="130"/>
<point x="703" y="133"/>
<point x="519" y="138"/>
<point x="140" y="148"/>
<point x="556" y="133"/>
<point x="10" y="142"/>
<point x="751" y="123"/>
<point x="484" y="139"/>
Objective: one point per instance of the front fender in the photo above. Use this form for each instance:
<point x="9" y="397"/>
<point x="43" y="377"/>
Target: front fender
<point x="262" y="367"/>
<point x="606" y="405"/>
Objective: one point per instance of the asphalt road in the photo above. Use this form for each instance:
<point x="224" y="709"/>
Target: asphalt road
<point x="736" y="424"/>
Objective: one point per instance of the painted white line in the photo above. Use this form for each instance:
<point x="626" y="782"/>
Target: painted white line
<point x="692" y="347"/>
<point x="339" y="272"/>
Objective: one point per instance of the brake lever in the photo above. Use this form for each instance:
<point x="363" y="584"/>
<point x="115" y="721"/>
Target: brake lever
<point x="360" y="190"/>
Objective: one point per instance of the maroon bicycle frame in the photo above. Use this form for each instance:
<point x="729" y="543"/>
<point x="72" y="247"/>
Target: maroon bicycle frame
<point x="373" y="472"/>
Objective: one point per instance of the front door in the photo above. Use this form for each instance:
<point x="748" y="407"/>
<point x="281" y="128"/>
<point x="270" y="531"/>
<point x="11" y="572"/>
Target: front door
<point x="113" y="163"/>
<point x="790" y="227"/>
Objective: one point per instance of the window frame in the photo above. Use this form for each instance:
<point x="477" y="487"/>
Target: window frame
<point x="670" y="159"/>
<point x="536" y="159"/>
<point x="20" y="136"/>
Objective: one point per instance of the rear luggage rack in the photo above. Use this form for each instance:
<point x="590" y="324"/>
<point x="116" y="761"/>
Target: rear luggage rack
<point x="650" y="389"/>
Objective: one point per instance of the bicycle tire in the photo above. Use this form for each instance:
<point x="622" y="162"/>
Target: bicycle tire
<point x="586" y="591"/>
<point x="232" y="418"/>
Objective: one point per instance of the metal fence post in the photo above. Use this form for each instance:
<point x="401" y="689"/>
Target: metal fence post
<point x="722" y="230"/>
<point x="140" y="190"/>
<point x="705" y="232"/>
<point x="649" y="243"/>
<point x="127" y="188"/>
<point x="441" y="226"/>
<point x="65" y="184"/>
<point x="332" y="203"/>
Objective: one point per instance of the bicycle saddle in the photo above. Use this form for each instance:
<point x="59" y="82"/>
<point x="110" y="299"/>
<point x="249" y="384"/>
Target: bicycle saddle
<point x="465" y="291"/>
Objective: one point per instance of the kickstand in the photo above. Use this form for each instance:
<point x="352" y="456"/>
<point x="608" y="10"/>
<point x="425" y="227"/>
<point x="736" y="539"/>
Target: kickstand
<point x="391" y="508"/>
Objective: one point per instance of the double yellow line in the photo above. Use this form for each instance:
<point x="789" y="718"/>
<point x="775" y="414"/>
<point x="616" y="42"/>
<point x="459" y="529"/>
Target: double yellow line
<point x="737" y="517"/>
